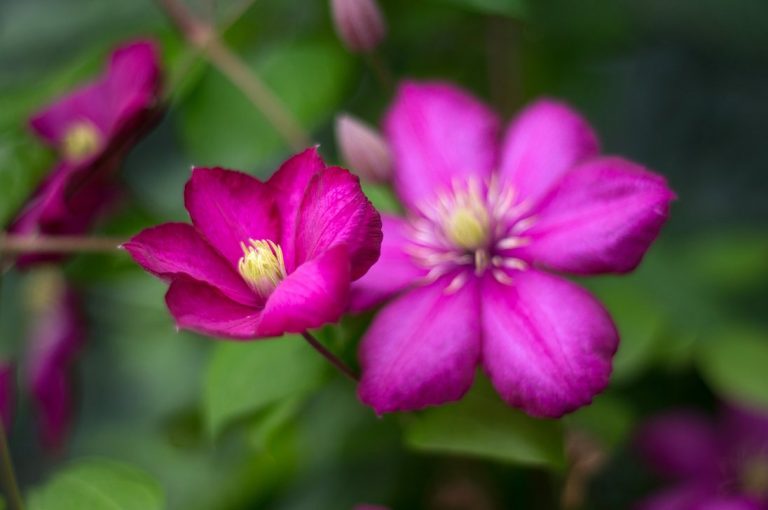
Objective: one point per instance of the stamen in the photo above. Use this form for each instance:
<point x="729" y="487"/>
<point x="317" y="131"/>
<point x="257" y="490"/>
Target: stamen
<point x="81" y="141"/>
<point x="511" y="242"/>
<point x="262" y="266"/>
<point x="457" y="283"/>
<point x="502" y="277"/>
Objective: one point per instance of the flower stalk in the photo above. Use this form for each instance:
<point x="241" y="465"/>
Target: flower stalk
<point x="203" y="36"/>
<point x="331" y="357"/>
<point x="18" y="244"/>
<point x="8" y="475"/>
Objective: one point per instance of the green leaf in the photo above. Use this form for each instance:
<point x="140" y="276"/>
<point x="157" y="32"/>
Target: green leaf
<point x="482" y="425"/>
<point x="609" y="419"/>
<point x="734" y="364"/>
<point x="222" y="127"/>
<point x="382" y="197"/>
<point x="98" y="484"/>
<point x="244" y="378"/>
<point x="513" y="8"/>
<point x="23" y="163"/>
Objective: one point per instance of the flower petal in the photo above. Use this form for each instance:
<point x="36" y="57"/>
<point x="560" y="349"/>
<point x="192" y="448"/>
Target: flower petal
<point x="393" y="272"/>
<point x="199" y="307"/>
<point x="316" y="293"/>
<point x="681" y="444"/>
<point x="547" y="343"/>
<point x="55" y="341"/>
<point x="230" y="207"/>
<point x="175" y="250"/>
<point x="132" y="81"/>
<point x="335" y="211"/>
<point x="422" y="349"/>
<point x="438" y="132"/>
<point x="697" y="497"/>
<point x="545" y="140"/>
<point x="7" y="393"/>
<point x="602" y="217"/>
<point x="288" y="186"/>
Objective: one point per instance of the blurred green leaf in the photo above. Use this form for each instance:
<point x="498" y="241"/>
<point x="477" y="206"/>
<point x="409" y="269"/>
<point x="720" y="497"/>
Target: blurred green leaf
<point x="608" y="418"/>
<point x="221" y="127"/>
<point x="382" y="197"/>
<point x="482" y="425"/>
<point x="98" y="484"/>
<point x="731" y="261"/>
<point x="513" y="8"/>
<point x="23" y="162"/>
<point x="735" y="365"/>
<point x="639" y="319"/>
<point x="244" y="378"/>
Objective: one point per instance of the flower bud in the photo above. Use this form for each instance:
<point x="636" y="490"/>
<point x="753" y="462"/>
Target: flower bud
<point x="363" y="149"/>
<point x="359" y="24"/>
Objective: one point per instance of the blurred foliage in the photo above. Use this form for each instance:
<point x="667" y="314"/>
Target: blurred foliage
<point x="191" y="424"/>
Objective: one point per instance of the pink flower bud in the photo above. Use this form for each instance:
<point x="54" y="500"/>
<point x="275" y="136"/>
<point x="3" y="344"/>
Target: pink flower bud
<point x="363" y="149"/>
<point x="359" y="24"/>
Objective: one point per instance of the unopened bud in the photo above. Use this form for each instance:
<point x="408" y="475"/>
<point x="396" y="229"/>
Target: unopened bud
<point x="359" y="24"/>
<point x="363" y="149"/>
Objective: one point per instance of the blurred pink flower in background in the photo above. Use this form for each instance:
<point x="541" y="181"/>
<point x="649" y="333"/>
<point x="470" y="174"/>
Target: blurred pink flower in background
<point x="719" y="465"/>
<point x="7" y="393"/>
<point x="91" y="129"/>
<point x="263" y="259"/>
<point x="55" y="341"/>
<point x="466" y="266"/>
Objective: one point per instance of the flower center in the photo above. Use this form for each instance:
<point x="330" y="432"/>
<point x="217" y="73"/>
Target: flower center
<point x="476" y="225"/>
<point x="81" y="141"/>
<point x="468" y="227"/>
<point x="754" y="477"/>
<point x="262" y="266"/>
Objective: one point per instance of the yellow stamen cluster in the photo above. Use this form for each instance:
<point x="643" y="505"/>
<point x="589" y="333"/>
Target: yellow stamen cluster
<point x="468" y="227"/>
<point x="262" y="265"/>
<point x="81" y="141"/>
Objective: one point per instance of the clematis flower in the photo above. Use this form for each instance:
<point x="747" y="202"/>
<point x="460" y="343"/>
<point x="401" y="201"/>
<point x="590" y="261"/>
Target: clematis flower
<point x="91" y="129"/>
<point x="715" y="466"/>
<point x="55" y="341"/>
<point x="468" y="265"/>
<point x="263" y="259"/>
<point x="7" y="392"/>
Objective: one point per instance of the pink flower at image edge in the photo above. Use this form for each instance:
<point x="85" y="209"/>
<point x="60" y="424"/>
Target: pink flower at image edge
<point x="262" y="259"/>
<point x="467" y="266"/>
<point x="91" y="129"/>
<point x="719" y="465"/>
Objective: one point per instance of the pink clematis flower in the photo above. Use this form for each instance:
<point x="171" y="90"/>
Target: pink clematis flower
<point x="468" y="262"/>
<point x="92" y="129"/>
<point x="716" y="466"/>
<point x="56" y="339"/>
<point x="7" y="393"/>
<point x="263" y="259"/>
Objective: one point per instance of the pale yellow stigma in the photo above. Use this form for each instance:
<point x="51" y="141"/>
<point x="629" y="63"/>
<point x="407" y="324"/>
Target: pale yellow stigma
<point x="468" y="227"/>
<point x="81" y="141"/>
<point x="262" y="266"/>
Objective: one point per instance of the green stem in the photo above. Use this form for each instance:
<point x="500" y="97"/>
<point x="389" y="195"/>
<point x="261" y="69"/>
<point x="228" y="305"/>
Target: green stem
<point x="330" y="357"/>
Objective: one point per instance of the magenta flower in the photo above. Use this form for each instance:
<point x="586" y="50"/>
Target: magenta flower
<point x="7" y="393"/>
<point x="716" y="466"/>
<point x="263" y="259"/>
<point x="91" y="129"/>
<point x="56" y="339"/>
<point x="467" y="263"/>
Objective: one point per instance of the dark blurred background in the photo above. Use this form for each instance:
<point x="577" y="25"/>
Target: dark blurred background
<point x="680" y="86"/>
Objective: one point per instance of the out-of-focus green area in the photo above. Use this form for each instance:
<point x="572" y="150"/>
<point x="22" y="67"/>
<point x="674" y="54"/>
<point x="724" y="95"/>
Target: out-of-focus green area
<point x="188" y="423"/>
